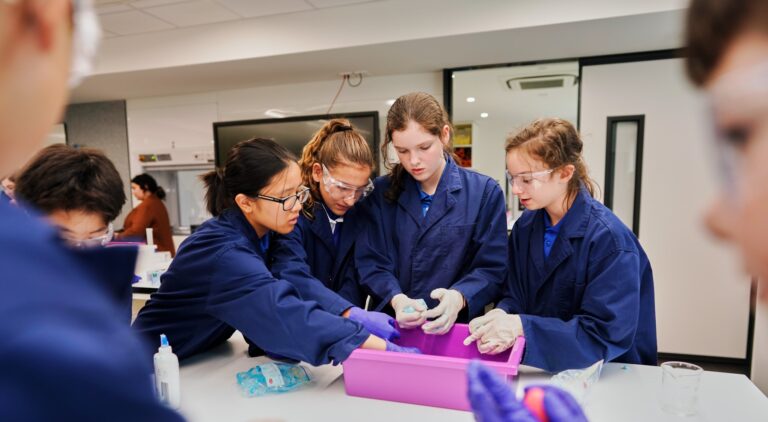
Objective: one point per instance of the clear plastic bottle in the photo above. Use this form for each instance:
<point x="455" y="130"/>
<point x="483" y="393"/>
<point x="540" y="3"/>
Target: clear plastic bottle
<point x="167" y="374"/>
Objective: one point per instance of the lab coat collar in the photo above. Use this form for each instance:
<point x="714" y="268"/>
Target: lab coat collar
<point x="322" y="228"/>
<point x="236" y="218"/>
<point x="442" y="200"/>
<point x="573" y="225"/>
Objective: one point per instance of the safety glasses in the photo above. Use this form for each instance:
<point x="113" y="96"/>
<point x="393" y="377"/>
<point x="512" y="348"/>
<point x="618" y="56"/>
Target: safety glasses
<point x="340" y="190"/>
<point x="92" y="242"/>
<point x="528" y="180"/>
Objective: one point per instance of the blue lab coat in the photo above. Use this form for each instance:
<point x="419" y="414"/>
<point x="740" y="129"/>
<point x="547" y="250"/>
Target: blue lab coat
<point x="66" y="353"/>
<point x="591" y="299"/>
<point x="219" y="282"/>
<point x="319" y="270"/>
<point x="459" y="244"/>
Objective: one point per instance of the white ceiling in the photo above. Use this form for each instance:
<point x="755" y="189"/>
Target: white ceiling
<point x="172" y="47"/>
<point x="130" y="17"/>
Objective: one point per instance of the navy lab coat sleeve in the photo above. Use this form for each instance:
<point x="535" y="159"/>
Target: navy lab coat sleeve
<point x="602" y="328"/>
<point x="289" y="262"/>
<point x="65" y="353"/>
<point x="373" y="253"/>
<point x="271" y="313"/>
<point x="482" y="284"/>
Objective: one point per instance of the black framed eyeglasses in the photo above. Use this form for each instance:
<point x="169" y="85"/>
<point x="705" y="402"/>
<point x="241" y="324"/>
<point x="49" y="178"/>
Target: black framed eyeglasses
<point x="289" y="201"/>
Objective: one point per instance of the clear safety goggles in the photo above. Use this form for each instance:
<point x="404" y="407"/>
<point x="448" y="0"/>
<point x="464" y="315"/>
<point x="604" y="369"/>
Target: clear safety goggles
<point x="738" y="106"/>
<point x="528" y="180"/>
<point x="91" y="242"/>
<point x="340" y="190"/>
<point x="289" y="202"/>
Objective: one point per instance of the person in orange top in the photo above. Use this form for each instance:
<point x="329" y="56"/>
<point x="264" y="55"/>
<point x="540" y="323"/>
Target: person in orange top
<point x="151" y="213"/>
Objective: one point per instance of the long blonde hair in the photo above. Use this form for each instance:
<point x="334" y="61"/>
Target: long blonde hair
<point x="337" y="142"/>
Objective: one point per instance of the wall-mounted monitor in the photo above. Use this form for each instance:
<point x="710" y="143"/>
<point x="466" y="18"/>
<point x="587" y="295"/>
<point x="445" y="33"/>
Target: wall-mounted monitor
<point x="291" y="132"/>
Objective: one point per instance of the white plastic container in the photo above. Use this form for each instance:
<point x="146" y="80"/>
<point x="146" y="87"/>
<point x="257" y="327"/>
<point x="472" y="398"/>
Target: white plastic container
<point x="167" y="375"/>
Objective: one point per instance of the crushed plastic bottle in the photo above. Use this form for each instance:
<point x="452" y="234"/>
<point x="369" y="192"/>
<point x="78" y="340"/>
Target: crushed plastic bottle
<point x="409" y="309"/>
<point x="271" y="378"/>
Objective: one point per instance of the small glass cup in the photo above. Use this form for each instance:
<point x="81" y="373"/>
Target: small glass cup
<point x="680" y="387"/>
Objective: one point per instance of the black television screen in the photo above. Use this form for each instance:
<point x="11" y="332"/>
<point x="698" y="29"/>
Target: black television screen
<point x="291" y="132"/>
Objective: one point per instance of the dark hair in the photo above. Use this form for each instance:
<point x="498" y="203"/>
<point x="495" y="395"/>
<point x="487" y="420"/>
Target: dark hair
<point x="250" y="167"/>
<point x="60" y="177"/>
<point x="335" y="143"/>
<point x="148" y="183"/>
<point x="555" y="142"/>
<point x="711" y="27"/>
<point x="423" y="109"/>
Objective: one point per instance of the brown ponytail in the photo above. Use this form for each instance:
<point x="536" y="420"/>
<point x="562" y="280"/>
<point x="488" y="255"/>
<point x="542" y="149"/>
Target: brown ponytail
<point x="555" y="142"/>
<point x="215" y="194"/>
<point x="337" y="142"/>
<point x="250" y="167"/>
<point x="423" y="109"/>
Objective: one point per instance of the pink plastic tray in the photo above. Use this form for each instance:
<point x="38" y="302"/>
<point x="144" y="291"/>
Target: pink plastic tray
<point x="437" y="378"/>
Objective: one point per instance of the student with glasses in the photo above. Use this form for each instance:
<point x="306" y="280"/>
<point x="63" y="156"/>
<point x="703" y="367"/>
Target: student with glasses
<point x="78" y="189"/>
<point x="62" y="338"/>
<point x="80" y="192"/>
<point x="579" y="286"/>
<point x="318" y="255"/>
<point x="219" y="281"/>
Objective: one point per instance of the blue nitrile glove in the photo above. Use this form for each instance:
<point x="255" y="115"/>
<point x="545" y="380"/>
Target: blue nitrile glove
<point x="392" y="347"/>
<point x="492" y="400"/>
<point x="377" y="323"/>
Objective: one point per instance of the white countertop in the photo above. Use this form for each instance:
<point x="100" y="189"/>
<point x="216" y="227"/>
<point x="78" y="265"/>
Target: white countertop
<point x="624" y="393"/>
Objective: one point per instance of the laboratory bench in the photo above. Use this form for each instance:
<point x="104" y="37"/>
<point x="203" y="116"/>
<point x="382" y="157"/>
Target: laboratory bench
<point x="209" y="392"/>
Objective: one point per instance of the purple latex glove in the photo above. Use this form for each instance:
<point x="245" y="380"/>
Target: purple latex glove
<point x="492" y="400"/>
<point x="377" y="323"/>
<point x="392" y="347"/>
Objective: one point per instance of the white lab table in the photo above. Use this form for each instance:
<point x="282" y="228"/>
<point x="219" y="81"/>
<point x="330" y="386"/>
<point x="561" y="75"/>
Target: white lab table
<point x="624" y="393"/>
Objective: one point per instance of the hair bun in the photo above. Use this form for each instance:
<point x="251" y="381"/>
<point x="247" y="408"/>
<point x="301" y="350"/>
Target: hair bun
<point x="341" y="128"/>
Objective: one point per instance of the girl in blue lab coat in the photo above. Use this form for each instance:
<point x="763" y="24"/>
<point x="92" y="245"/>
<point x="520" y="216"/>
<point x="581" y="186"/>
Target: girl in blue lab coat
<point x="219" y="281"/>
<point x="579" y="285"/>
<point x="317" y="257"/>
<point x="438" y="231"/>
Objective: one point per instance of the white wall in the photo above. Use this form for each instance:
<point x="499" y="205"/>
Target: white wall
<point x="185" y="123"/>
<point x="759" y="373"/>
<point x="702" y="297"/>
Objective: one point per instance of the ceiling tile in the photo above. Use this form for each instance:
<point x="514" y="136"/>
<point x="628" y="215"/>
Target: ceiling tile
<point x="143" y="4"/>
<point x="334" y="3"/>
<point x="193" y="13"/>
<point x="135" y="22"/>
<point x="253" y="8"/>
<point x="112" y="8"/>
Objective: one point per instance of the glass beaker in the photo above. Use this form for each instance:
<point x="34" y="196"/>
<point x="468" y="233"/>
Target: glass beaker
<point x="680" y="387"/>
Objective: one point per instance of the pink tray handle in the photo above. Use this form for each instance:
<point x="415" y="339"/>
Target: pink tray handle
<point x="516" y="355"/>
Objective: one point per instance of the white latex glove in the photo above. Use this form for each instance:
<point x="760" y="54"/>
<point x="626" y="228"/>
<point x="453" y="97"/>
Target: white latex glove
<point x="495" y="331"/>
<point x="451" y="302"/>
<point x="414" y="317"/>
